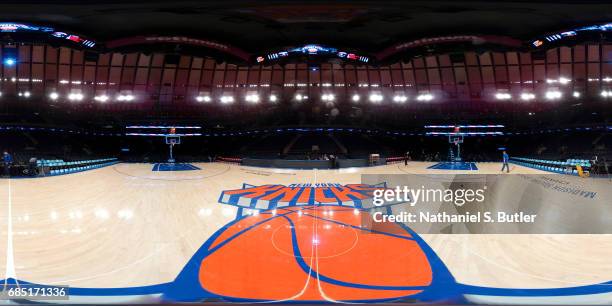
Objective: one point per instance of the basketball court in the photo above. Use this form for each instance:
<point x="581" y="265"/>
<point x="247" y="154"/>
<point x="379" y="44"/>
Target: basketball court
<point x="127" y="233"/>
<point x="306" y="152"/>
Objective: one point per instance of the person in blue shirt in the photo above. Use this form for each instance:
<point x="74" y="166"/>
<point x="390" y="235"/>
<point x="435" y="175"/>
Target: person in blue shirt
<point x="505" y="161"/>
<point x="7" y="160"/>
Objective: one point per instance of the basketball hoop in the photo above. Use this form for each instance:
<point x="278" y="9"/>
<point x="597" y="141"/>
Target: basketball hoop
<point x="171" y="141"/>
<point x="457" y="140"/>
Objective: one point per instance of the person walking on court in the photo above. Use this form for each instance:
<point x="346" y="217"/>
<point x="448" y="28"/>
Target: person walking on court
<point x="406" y="158"/>
<point x="7" y="160"/>
<point x="505" y="158"/>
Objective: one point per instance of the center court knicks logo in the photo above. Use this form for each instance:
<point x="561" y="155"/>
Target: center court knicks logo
<point x="273" y="195"/>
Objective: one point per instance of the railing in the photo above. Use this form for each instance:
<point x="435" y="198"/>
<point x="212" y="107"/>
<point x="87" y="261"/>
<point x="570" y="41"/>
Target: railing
<point x="395" y="159"/>
<point x="229" y="160"/>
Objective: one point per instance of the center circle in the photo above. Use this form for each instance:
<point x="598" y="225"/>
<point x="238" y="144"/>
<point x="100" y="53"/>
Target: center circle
<point x="327" y="240"/>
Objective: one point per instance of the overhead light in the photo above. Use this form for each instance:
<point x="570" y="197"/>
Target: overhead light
<point x="606" y="93"/>
<point x="75" y="96"/>
<point x="53" y="96"/>
<point x="253" y="98"/>
<point x="355" y="98"/>
<point x="425" y="97"/>
<point x="553" y="95"/>
<point x="576" y="94"/>
<point x="227" y="99"/>
<point x="10" y="61"/>
<point x="300" y="97"/>
<point x="25" y="94"/>
<point x="101" y="98"/>
<point x="376" y="97"/>
<point x="125" y="97"/>
<point x="400" y="98"/>
<point x="328" y="97"/>
<point x="561" y="80"/>
<point x="503" y="96"/>
<point x="526" y="96"/>
<point x="564" y="80"/>
<point x="273" y="98"/>
<point x="203" y="97"/>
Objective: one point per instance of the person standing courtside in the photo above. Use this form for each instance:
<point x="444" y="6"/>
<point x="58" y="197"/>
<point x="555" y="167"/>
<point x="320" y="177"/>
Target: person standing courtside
<point x="505" y="158"/>
<point x="7" y="160"/>
<point x="406" y="158"/>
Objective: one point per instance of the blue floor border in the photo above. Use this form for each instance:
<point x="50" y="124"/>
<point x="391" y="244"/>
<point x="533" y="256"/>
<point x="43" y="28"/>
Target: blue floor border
<point x="454" y="166"/>
<point x="174" y="167"/>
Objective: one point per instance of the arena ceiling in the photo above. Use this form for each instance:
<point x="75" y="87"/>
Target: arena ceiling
<point x="257" y="26"/>
<point x="170" y="82"/>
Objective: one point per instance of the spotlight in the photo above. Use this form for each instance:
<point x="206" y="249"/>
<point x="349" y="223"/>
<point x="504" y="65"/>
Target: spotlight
<point x="503" y="96"/>
<point x="328" y="97"/>
<point x="606" y="93"/>
<point x="355" y="98"/>
<point x="576" y="94"/>
<point x="10" y="61"/>
<point x="527" y="96"/>
<point x="75" y="97"/>
<point x="25" y="94"/>
<point x="375" y="97"/>
<point x="102" y="98"/>
<point x="227" y="99"/>
<point x="553" y="95"/>
<point x="53" y="96"/>
<point x="425" y="97"/>
<point x="273" y="98"/>
<point x="253" y="98"/>
<point x="400" y="98"/>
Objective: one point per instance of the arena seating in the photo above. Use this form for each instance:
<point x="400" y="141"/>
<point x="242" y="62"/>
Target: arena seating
<point x="58" y="167"/>
<point x="563" y="167"/>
